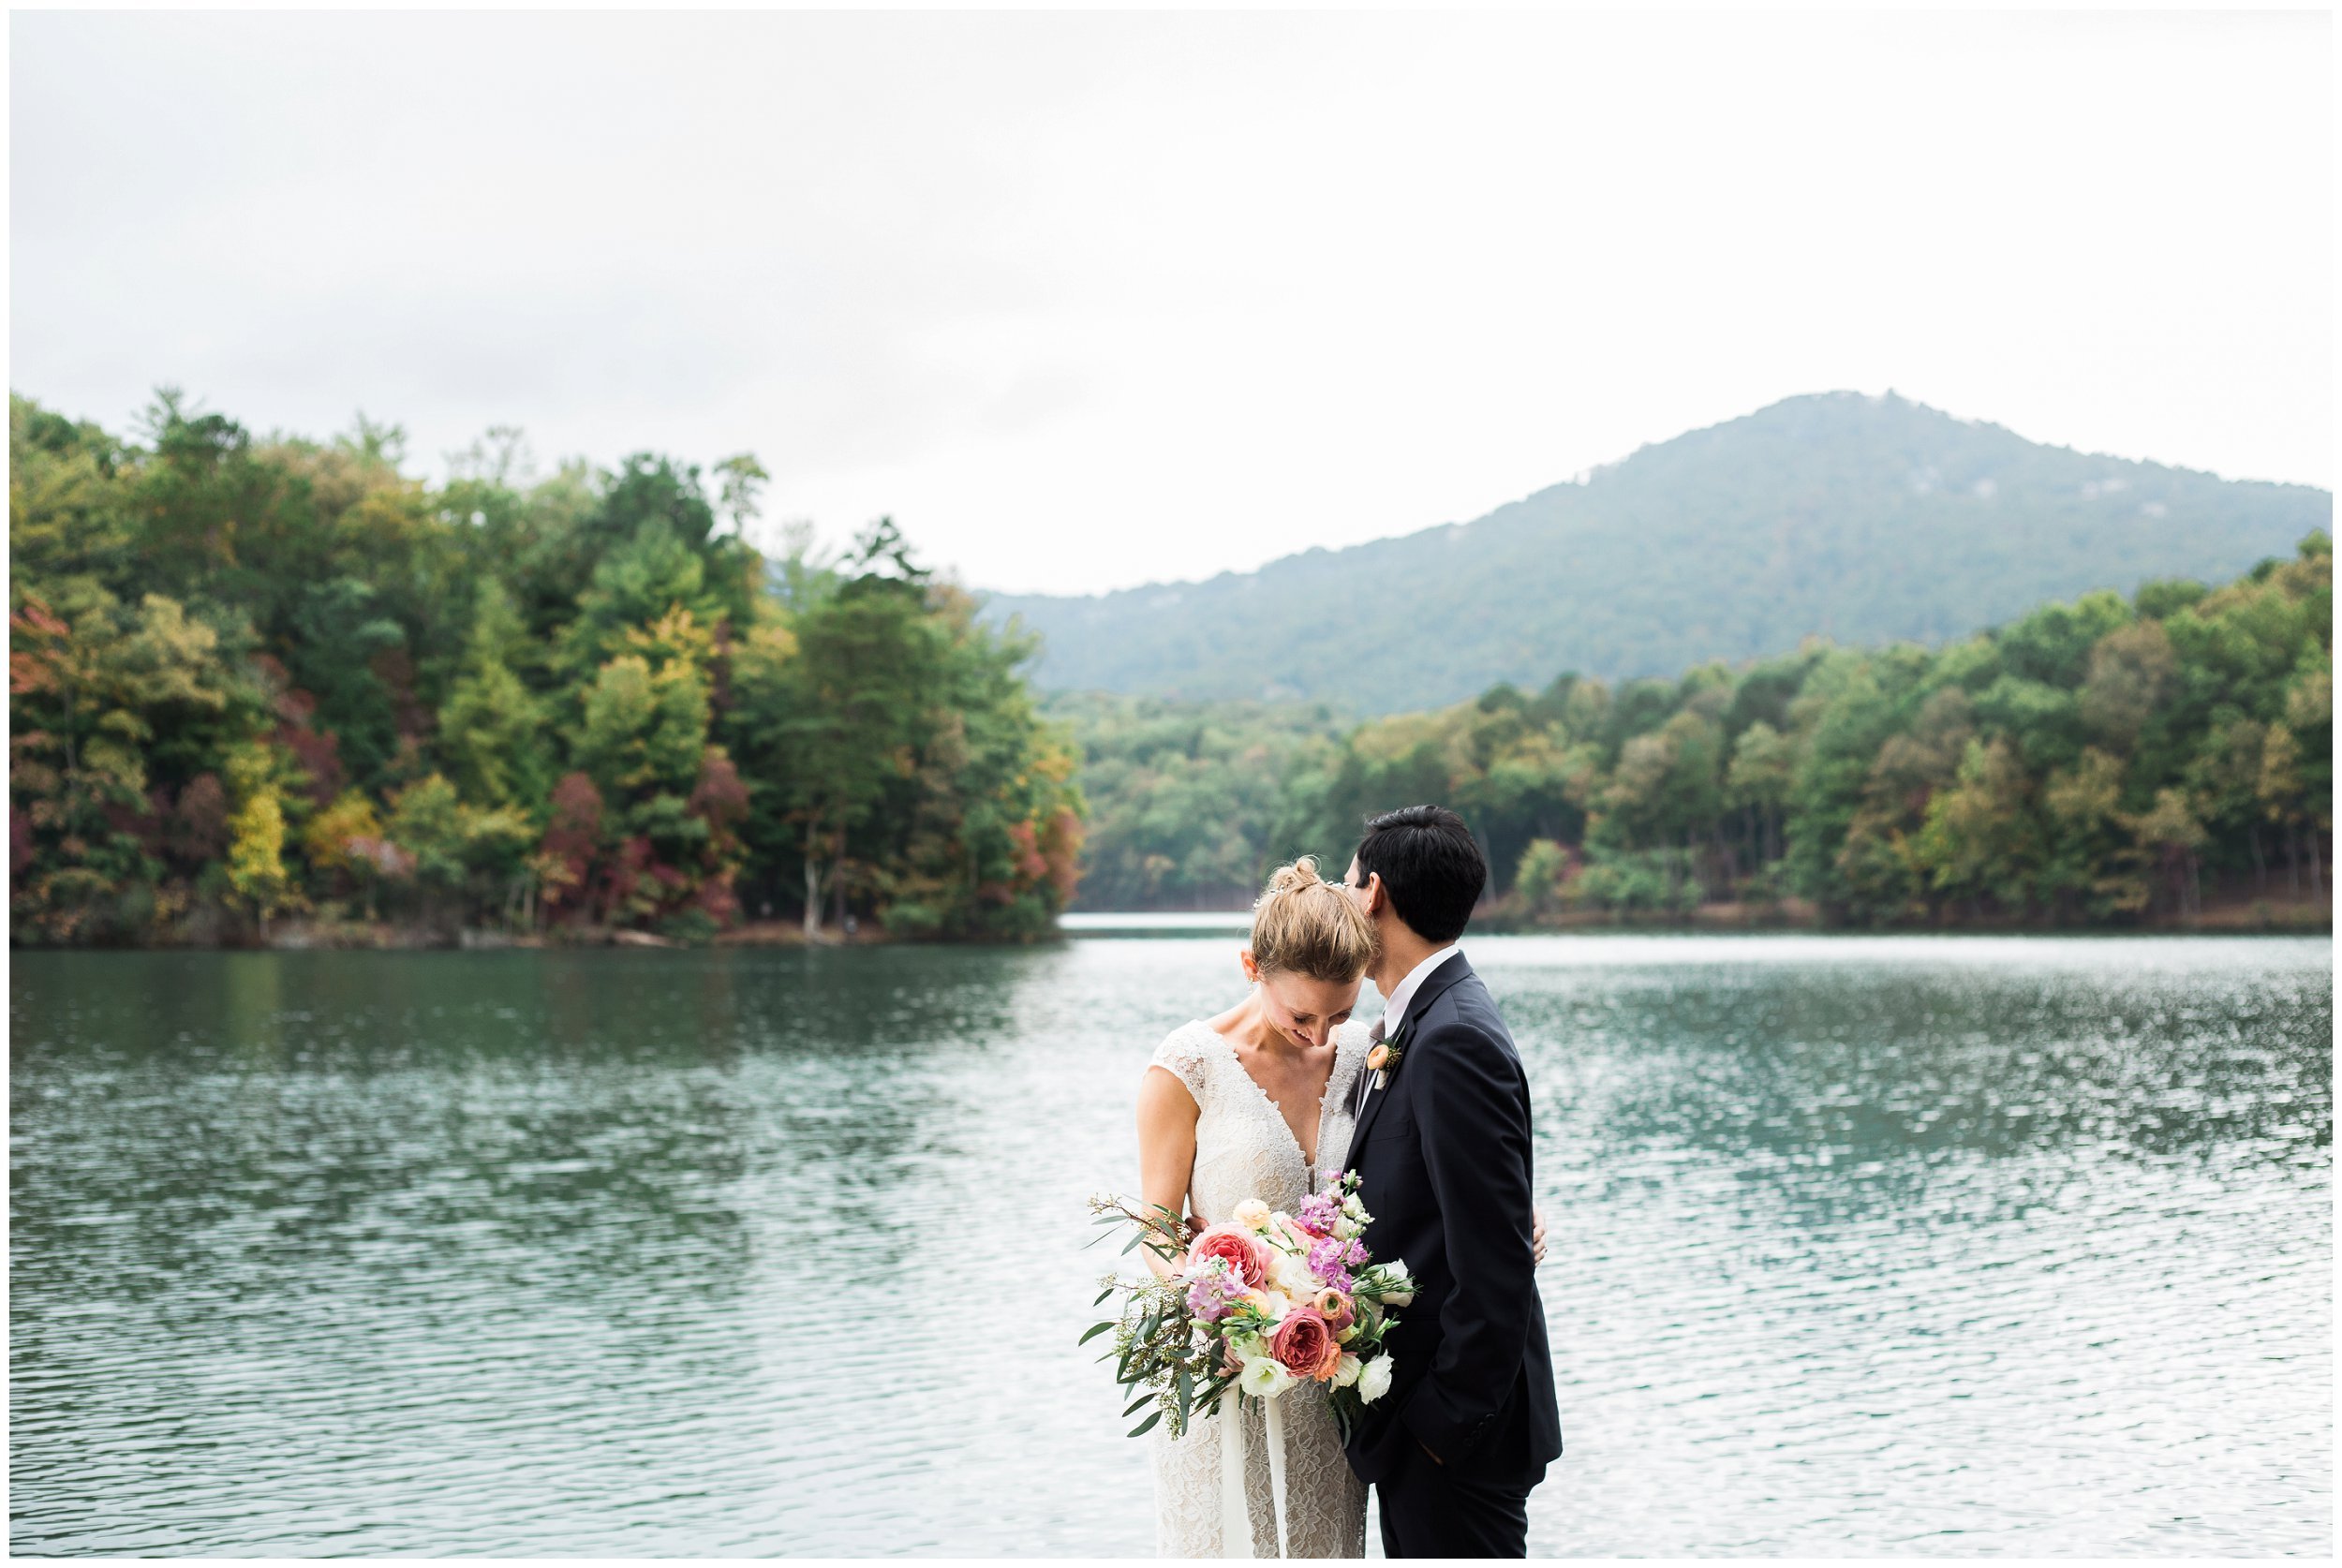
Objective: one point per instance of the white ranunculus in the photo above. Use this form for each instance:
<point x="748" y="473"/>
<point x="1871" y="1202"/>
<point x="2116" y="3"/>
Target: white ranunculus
<point x="1252" y="1214"/>
<point x="1291" y="1275"/>
<point x="1263" y="1379"/>
<point x="1395" y="1269"/>
<point x="1347" y="1369"/>
<point x="1375" y="1379"/>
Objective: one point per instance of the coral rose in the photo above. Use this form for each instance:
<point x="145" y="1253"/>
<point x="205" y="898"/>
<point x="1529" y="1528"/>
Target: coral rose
<point x="1304" y="1344"/>
<point x="1234" y="1246"/>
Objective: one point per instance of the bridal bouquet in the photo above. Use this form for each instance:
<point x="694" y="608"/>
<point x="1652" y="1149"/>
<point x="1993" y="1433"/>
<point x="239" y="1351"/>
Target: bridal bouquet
<point x="1262" y="1303"/>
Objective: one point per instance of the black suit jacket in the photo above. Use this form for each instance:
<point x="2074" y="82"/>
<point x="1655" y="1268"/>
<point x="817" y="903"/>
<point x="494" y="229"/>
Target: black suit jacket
<point x="1442" y="1159"/>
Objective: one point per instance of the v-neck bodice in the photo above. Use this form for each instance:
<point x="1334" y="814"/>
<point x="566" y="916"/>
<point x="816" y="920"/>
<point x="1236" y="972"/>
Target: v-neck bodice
<point x="1244" y="1145"/>
<point x="1325" y="1100"/>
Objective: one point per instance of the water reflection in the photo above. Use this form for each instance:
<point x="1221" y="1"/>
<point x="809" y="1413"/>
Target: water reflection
<point x="1826" y="1068"/>
<point x="1859" y="1245"/>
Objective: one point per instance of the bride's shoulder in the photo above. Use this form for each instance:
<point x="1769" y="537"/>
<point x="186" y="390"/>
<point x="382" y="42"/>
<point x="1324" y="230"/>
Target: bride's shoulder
<point x="1184" y="1053"/>
<point x="1351" y="1044"/>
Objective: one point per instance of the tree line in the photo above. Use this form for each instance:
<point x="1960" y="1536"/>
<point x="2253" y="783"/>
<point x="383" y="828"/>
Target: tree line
<point x="2108" y="760"/>
<point x="254" y="679"/>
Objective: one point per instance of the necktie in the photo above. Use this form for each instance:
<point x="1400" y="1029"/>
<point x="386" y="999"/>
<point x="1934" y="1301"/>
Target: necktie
<point x="1366" y="1078"/>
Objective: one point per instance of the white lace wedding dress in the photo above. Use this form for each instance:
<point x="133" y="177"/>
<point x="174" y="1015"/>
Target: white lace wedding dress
<point x="1244" y="1149"/>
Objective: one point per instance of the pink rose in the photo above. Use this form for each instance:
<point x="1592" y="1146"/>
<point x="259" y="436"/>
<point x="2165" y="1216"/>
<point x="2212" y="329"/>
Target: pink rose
<point x="1304" y="1344"/>
<point x="1234" y="1246"/>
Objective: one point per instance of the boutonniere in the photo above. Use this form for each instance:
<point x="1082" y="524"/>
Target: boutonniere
<point x="1383" y="1059"/>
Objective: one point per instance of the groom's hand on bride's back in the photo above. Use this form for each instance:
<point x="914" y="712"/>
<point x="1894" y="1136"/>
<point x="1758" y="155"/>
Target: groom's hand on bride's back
<point x="1536" y="1235"/>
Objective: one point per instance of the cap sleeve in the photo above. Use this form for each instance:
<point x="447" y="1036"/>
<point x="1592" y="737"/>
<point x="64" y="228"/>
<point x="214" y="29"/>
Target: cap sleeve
<point x="1182" y="1054"/>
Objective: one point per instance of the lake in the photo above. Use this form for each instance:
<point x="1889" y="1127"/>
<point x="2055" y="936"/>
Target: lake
<point x="1859" y="1246"/>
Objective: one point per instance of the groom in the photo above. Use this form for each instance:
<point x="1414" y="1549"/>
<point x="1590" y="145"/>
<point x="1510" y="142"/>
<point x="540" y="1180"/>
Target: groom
<point x="1441" y="1151"/>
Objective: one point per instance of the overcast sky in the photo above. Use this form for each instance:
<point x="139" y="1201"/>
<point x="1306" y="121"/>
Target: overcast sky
<point x="1090" y="299"/>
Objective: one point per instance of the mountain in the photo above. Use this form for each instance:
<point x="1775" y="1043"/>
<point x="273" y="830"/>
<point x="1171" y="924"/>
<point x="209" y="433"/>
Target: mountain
<point x="1866" y="520"/>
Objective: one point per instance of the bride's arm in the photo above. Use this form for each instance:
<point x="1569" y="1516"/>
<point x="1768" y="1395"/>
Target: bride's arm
<point x="1167" y="1148"/>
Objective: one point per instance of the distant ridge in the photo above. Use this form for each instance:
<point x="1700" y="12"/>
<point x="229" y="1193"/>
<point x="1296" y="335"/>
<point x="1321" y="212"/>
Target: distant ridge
<point x="1866" y="519"/>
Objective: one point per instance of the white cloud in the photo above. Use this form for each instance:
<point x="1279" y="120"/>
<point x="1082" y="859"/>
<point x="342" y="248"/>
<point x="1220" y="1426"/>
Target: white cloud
<point x="1087" y="300"/>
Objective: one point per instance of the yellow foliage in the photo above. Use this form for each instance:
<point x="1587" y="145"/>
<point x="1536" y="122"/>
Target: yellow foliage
<point x="326" y="839"/>
<point x="256" y="856"/>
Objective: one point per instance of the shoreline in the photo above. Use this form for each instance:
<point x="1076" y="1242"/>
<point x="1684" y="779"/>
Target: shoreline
<point x="2249" y="916"/>
<point x="2243" y="917"/>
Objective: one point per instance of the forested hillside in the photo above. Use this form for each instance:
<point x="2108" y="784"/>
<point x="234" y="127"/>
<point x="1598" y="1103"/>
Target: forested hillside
<point x="254" y="679"/>
<point x="2108" y="760"/>
<point x="1863" y="520"/>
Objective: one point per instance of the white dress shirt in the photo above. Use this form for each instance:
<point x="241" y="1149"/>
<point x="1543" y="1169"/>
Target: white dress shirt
<point x="1394" y="1007"/>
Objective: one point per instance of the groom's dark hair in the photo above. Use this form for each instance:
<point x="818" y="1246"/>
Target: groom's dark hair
<point x="1431" y="868"/>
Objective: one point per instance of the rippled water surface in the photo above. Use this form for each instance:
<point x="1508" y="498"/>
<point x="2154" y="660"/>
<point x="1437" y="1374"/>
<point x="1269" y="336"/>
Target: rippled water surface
<point x="1859" y="1246"/>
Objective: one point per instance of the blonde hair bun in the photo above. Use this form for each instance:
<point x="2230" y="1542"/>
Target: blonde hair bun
<point x="1304" y="924"/>
<point x="1288" y="879"/>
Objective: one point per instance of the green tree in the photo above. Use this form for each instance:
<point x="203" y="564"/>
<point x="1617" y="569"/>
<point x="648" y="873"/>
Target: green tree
<point x="490" y="730"/>
<point x="857" y="713"/>
<point x="1981" y="839"/>
<point x="1763" y="768"/>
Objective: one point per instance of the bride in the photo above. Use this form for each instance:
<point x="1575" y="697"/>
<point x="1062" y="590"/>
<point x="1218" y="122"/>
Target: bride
<point x="1255" y="1103"/>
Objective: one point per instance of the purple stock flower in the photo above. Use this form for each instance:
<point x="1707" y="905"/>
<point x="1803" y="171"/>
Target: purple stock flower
<point x="1318" y="1213"/>
<point x="1326" y="1257"/>
<point x="1211" y="1293"/>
